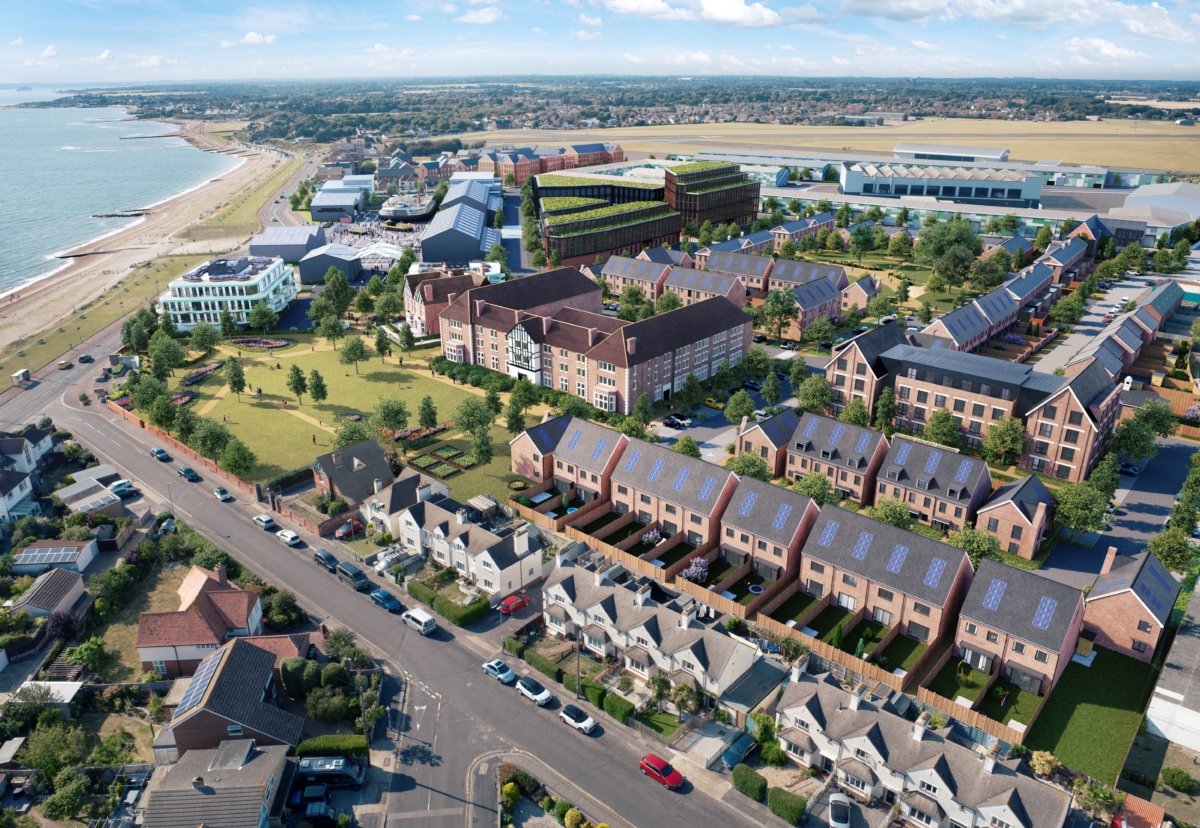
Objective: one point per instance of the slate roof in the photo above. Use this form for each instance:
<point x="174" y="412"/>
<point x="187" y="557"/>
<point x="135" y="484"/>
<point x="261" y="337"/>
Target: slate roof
<point x="667" y="331"/>
<point x="874" y="343"/>
<point x="9" y="480"/>
<point x="997" y="305"/>
<point x="1064" y="251"/>
<point x="232" y="799"/>
<point x="354" y="469"/>
<point x="402" y="493"/>
<point x="826" y="439"/>
<point x="741" y="264"/>
<point x="1180" y="676"/>
<point x="441" y="513"/>
<point x="458" y="218"/>
<point x="577" y="441"/>
<point x="686" y="278"/>
<point x="770" y="512"/>
<point x="640" y="271"/>
<point x="440" y="286"/>
<point x="1129" y="334"/>
<point x="1029" y="282"/>
<point x="504" y="551"/>
<point x="962" y="324"/>
<point x="1091" y="384"/>
<point x="1163" y="298"/>
<point x="1020" y="598"/>
<point x="674" y="477"/>
<point x="1147" y="319"/>
<point x="49" y="590"/>
<point x="1106" y="351"/>
<point x="1148" y="579"/>
<point x="801" y="273"/>
<point x="12" y="446"/>
<point x="924" y="570"/>
<point x="662" y="255"/>
<point x="527" y="292"/>
<point x="1025" y="493"/>
<point x="779" y="429"/>
<point x="816" y="293"/>
<point x="936" y="469"/>
<point x="730" y="245"/>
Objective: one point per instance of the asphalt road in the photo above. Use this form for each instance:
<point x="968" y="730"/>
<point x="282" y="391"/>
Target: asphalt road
<point x="1091" y="323"/>
<point x="279" y="213"/>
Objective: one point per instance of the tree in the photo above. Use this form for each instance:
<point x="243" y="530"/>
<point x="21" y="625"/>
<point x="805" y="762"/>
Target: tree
<point x="1043" y="238"/>
<point x="643" y="411"/>
<point x="1106" y="476"/>
<point x="331" y="328"/>
<point x="819" y="330"/>
<point x="684" y="698"/>
<point x="70" y="795"/>
<point x="237" y="458"/>
<point x="879" y="306"/>
<point x="855" y="413"/>
<point x="943" y="428"/>
<point x="481" y="446"/>
<point x="936" y="282"/>
<point x="388" y="306"/>
<point x="354" y="351"/>
<point x="262" y="317"/>
<point x="862" y="241"/>
<point x="787" y="250"/>
<point x="427" y="416"/>
<point x="976" y="543"/>
<point x="204" y="337"/>
<point x="1171" y="547"/>
<point x="165" y="355"/>
<point x="1043" y="762"/>
<point x="1158" y="416"/>
<point x="688" y="446"/>
<point x="228" y="326"/>
<point x="210" y="437"/>
<point x="772" y="390"/>
<point x="1135" y="440"/>
<point x="844" y="215"/>
<point x="316" y="387"/>
<point x="900" y="246"/>
<point x="363" y="302"/>
<point x="391" y="414"/>
<point x="723" y="376"/>
<point x="296" y="382"/>
<point x="814" y="394"/>
<point x="1080" y="508"/>
<point x="52" y="748"/>
<point x="1196" y="332"/>
<point x="779" y="310"/>
<point x="756" y="362"/>
<point x="739" y="405"/>
<point x="632" y="295"/>
<point x="376" y="286"/>
<point x="235" y="377"/>
<point x="166" y="324"/>
<point x="902" y="291"/>
<point x="892" y="511"/>
<point x="514" y="418"/>
<point x="350" y="432"/>
<point x="691" y="396"/>
<point x="382" y="343"/>
<point x="320" y="307"/>
<point x="660" y="687"/>
<point x="162" y="413"/>
<point x="473" y="414"/>
<point x="669" y="301"/>
<point x="407" y="340"/>
<point x="749" y="465"/>
<point x="538" y="258"/>
<point x="92" y="653"/>
<point x="816" y="486"/>
<point x="1005" y="441"/>
<point x="337" y="288"/>
<point x="925" y="312"/>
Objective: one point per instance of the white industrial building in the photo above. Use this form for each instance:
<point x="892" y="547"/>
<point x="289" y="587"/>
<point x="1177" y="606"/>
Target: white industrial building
<point x="972" y="185"/>
<point x="949" y="152"/>
<point x="235" y="285"/>
<point x="288" y="243"/>
<point x="333" y="205"/>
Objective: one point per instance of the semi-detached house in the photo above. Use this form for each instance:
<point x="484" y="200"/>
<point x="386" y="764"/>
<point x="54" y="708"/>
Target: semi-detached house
<point x="765" y="526"/>
<point x="1129" y="604"/>
<point x="1018" y="515"/>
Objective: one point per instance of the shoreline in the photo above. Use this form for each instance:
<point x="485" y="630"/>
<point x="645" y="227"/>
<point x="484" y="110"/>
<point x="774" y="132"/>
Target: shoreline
<point x="93" y="266"/>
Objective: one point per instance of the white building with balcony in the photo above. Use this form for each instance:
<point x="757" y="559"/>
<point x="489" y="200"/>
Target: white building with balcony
<point x="236" y="285"/>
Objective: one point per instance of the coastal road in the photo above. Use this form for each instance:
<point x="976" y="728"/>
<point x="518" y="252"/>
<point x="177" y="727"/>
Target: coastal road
<point x="279" y="213"/>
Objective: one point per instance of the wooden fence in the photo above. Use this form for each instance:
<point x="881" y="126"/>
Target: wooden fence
<point x="539" y="514"/>
<point x="617" y="555"/>
<point x="971" y="716"/>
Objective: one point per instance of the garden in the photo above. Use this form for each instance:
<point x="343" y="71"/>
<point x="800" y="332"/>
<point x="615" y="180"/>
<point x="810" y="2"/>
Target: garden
<point x="749" y="587"/>
<point x="864" y="638"/>
<point x="793" y="608"/>
<point x="676" y="554"/>
<point x="958" y="679"/>
<point x="902" y="653"/>
<point x="1005" y="702"/>
<point x="827" y="621"/>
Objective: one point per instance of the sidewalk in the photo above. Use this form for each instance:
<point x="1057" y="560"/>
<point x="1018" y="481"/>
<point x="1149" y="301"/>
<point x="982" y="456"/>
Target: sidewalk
<point x="558" y="785"/>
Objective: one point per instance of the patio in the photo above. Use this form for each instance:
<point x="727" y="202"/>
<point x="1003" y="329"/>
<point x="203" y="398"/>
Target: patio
<point x="638" y="695"/>
<point x="828" y="619"/>
<point x="793" y="608"/>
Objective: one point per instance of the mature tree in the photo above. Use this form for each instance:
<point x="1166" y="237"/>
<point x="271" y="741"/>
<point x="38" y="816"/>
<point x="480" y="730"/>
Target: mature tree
<point x="1043" y="238"/>
<point x="814" y="394"/>
<point x="350" y="432"/>
<point x="632" y="295"/>
<point x="691" y="396"/>
<point x="749" y="465"/>
<point x="885" y="410"/>
<point x="891" y="510"/>
<point x="204" y="337"/>
<point x="797" y="373"/>
<point x="1106" y="476"/>
<point x="816" y="486"/>
<point x="237" y="458"/>
<point x="165" y="355"/>
<point x="772" y="390"/>
<point x="523" y="394"/>
<point x="756" y="363"/>
<point x="977" y="543"/>
<point x="235" y="377"/>
<point x="862" y="241"/>
<point x="382" y="343"/>
<point x="427" y="415"/>
<point x="1005" y="441"/>
<point x="669" y="301"/>
<point x="514" y="418"/>
<point x="643" y="410"/>
<point x="1171" y="547"/>
<point x="388" y="306"/>
<point x="779" y="310"/>
<point x="1080" y="508"/>
<point x="316" y="387"/>
<point x="481" y="446"/>
<point x="1158" y="416"/>
<point x="337" y="288"/>
<point x="407" y="340"/>
<point x="185" y="424"/>
<point x="390" y="414"/>
<point x="723" y="376"/>
<point x="331" y="328"/>
<point x="147" y="390"/>
<point x="375" y="286"/>
<point x="943" y="428"/>
<point x="354" y="351"/>
<point x="228" y="326"/>
<point x="855" y="413"/>
<point x="162" y="413"/>
<point x="687" y="445"/>
<point x="900" y="246"/>
<point x="787" y="250"/>
<point x="296" y="382"/>
<point x="902" y="217"/>
<point x="879" y="306"/>
<point x="50" y="748"/>
<point x="819" y="330"/>
<point x="739" y="405"/>
<point x="363" y="302"/>
<point x="1135" y="440"/>
<point x="473" y="415"/>
<point x="70" y="795"/>
<point x="210" y="437"/>
<point x="262" y="317"/>
<point x="902" y="291"/>
<point x="320" y="307"/>
<point x="936" y="282"/>
<point x="925" y="312"/>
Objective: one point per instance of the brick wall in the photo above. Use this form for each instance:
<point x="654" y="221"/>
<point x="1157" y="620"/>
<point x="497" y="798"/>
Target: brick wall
<point x="1115" y="619"/>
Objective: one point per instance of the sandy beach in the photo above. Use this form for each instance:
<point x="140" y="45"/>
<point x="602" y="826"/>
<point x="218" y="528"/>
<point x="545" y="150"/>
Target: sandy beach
<point x="97" y="265"/>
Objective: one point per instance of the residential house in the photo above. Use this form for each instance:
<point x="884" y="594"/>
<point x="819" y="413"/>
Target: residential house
<point x="942" y="488"/>
<point x="668" y="256"/>
<point x="293" y="645"/>
<point x="754" y="271"/>
<point x="849" y="455"/>
<point x="26" y="452"/>
<point x="383" y="509"/>
<point x="16" y="496"/>
<point x="590" y="155"/>
<point x="1019" y="515"/>
<point x="935" y="780"/>
<point x="974" y="323"/>
<point x="795" y="230"/>
<point x="1013" y="245"/>
<point x="353" y="473"/>
<point x="896" y="578"/>
<point x="621" y="272"/>
<point x="211" y="610"/>
<point x="858" y="294"/>
<point x="769" y="439"/>
<point x="1020" y="623"/>
<point x="1174" y="711"/>
<point x="1063" y="257"/>
<point x="1136" y="812"/>
<point x="39" y="556"/>
<point x="1129" y="604"/>
<point x="573" y="452"/>
<point x="797" y="273"/>
<point x="57" y="590"/>
<point x="728" y="246"/>
<point x="697" y="285"/>
<point x="428" y="293"/>
<point x="817" y="299"/>
<point x="766" y="525"/>
<point x="1070" y="428"/>
<point x="857" y="361"/>
<point x="236" y="784"/>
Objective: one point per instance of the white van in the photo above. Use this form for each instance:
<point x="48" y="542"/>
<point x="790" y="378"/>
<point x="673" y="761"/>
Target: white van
<point x="420" y="620"/>
<point x="118" y="486"/>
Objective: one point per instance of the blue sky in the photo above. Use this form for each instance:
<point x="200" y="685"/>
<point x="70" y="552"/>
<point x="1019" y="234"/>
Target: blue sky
<point x="77" y="41"/>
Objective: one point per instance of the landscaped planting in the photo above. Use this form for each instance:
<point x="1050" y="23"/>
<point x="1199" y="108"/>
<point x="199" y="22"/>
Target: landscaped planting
<point x="423" y="461"/>
<point x="555" y="180"/>
<point x="442" y="470"/>
<point x="183" y="397"/>
<point x="203" y="373"/>
<point x="446" y="452"/>
<point x="464" y="461"/>
<point x="256" y="343"/>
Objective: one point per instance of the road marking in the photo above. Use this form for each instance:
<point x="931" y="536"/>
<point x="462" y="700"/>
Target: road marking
<point x="440" y="812"/>
<point x="483" y="769"/>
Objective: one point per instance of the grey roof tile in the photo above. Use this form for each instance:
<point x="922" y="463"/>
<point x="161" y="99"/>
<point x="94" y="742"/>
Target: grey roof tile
<point x="1023" y="604"/>
<point x="1149" y="580"/>
<point x="685" y="481"/>
<point x="1025" y="493"/>
<point x="816" y="293"/>
<point x="936" y="469"/>
<point x="771" y="512"/>
<point x="827" y="440"/>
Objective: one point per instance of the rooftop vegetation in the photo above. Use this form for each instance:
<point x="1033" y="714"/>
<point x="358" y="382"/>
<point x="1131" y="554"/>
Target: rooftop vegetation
<point x="602" y="212"/>
<point x="554" y="203"/>
<point x="557" y="180"/>
<point x="697" y="166"/>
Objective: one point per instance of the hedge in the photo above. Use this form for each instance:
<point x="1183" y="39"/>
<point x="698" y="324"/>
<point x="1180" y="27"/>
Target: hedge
<point x="543" y="665"/>
<point x="335" y="745"/>
<point x="788" y="806"/>
<point x="618" y="708"/>
<point x="561" y="806"/>
<point x="526" y="782"/>
<point x="595" y="694"/>
<point x="749" y="782"/>
<point x="459" y="615"/>
<point x="1178" y="779"/>
<point x="513" y="645"/>
<point x="288" y="479"/>
<point x="422" y="593"/>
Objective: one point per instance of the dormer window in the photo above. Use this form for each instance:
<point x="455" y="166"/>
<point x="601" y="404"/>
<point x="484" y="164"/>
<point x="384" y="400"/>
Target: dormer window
<point x="826" y="454"/>
<point x="925" y="786"/>
<point x="893" y="474"/>
<point x="800" y="723"/>
<point x="954" y="493"/>
<point x="999" y="823"/>
<point x="861" y="754"/>
<point x="922" y="483"/>
<point x="852" y="462"/>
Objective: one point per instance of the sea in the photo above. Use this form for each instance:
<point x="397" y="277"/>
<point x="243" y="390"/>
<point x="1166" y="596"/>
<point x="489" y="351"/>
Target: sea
<point x="62" y="167"/>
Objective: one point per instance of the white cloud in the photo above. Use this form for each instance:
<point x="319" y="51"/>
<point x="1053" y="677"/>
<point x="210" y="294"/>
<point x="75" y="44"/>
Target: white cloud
<point x="539" y="30"/>
<point x="228" y="44"/>
<point x="737" y="13"/>
<point x="448" y="8"/>
<point x="590" y="21"/>
<point x="840" y="61"/>
<point x="636" y="58"/>
<point x="1195" y="18"/>
<point x="388" y="53"/>
<point x="787" y="47"/>
<point x="412" y="18"/>
<point x="688" y="58"/>
<point x="731" y="61"/>
<point x="256" y="39"/>
<point x="1090" y="48"/>
<point x="150" y="62"/>
<point x="20" y="41"/>
<point x="1000" y="37"/>
<point x="582" y="34"/>
<point x="32" y="64"/>
<point x="50" y="52"/>
<point x="107" y="54"/>
<point x="573" y="3"/>
<point x="483" y="16"/>
<point x="928" y="47"/>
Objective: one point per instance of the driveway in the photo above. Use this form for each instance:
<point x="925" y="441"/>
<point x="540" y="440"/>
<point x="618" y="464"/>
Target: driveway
<point x="712" y="431"/>
<point x="817" y="815"/>
<point x="1091" y="324"/>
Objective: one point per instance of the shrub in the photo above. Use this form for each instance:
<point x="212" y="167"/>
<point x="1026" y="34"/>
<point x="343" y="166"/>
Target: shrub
<point x="773" y="755"/>
<point x="422" y="593"/>
<point x="749" y="782"/>
<point x="1178" y="779"/>
<point x="1043" y="762"/>
<point x="787" y="806"/>
<point x="625" y="684"/>
<point x="334" y="745"/>
<point x="291" y="670"/>
<point x="595" y="694"/>
<point x="543" y="665"/>
<point x="510" y="793"/>
<point x="561" y="806"/>
<point x="573" y="819"/>
<point x="618" y="708"/>
<point x="334" y="675"/>
<point x="327" y="704"/>
<point x="547" y="804"/>
<point x="513" y="645"/>
<point x="459" y="615"/>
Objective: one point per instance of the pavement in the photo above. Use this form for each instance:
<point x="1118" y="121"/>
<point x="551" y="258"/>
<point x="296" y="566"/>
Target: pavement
<point x="1090" y="324"/>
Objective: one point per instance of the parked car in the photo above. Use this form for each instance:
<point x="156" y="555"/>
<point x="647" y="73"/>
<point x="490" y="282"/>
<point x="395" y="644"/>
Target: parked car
<point x="789" y="346"/>
<point x="1130" y="470"/>
<point x="858" y="331"/>
<point x="288" y="536"/>
<point x="713" y="402"/>
<point x="348" y="530"/>
<point x="533" y="690"/>
<point x="839" y="811"/>
<point x="264" y="522"/>
<point x="752" y="385"/>
<point x="131" y="493"/>
<point x="86" y="358"/>
<point x="188" y="474"/>
<point x="828" y="343"/>
<point x="1106" y="318"/>
<point x="513" y="604"/>
<point x="386" y="600"/>
<point x="325" y="559"/>
<point x="761" y="415"/>
<point x="501" y="672"/>
<point x="742" y="747"/>
<point x="760" y="338"/>
<point x="220" y="494"/>
<point x="660" y="771"/>
<point x="159" y="454"/>
<point x="577" y="719"/>
<point x="678" y="423"/>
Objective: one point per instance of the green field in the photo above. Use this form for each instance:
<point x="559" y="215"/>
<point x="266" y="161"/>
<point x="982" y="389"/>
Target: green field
<point x="241" y="214"/>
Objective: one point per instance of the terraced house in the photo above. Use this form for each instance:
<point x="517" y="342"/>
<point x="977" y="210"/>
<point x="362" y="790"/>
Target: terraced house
<point x="764" y="527"/>
<point x="769" y="439"/>
<point x="697" y="285"/>
<point x="801" y="273"/>
<point x="793" y="231"/>
<point x="817" y="300"/>
<point x="973" y="324"/>
<point x="754" y="271"/>
<point x="849" y="455"/>
<point x="621" y="272"/>
<point x="573" y="452"/>
<point x="941" y="487"/>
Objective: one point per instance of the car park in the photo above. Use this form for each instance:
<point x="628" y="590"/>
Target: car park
<point x="742" y="747"/>
<point x="385" y="599"/>
<point x="513" y="604"/>
<point x="713" y="402"/>
<point x="501" y="672"/>
<point x="188" y="474"/>
<point x="839" y="811"/>
<point x="534" y="690"/>
<point x="288" y="536"/>
<point x="660" y="771"/>
<point x="159" y="453"/>
<point x="265" y="522"/>
<point x="577" y="719"/>
<point x="325" y="559"/>
<point x="220" y="494"/>
<point x="348" y="530"/>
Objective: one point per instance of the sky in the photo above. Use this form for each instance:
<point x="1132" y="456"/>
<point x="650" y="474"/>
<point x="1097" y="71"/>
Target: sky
<point x="81" y="41"/>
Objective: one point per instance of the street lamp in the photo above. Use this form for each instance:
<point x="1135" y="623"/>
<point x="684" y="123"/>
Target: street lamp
<point x="172" y="499"/>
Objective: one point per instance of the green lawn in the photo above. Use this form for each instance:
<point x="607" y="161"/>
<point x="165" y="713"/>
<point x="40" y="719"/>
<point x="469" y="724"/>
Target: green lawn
<point x="1019" y="705"/>
<point x="793" y="608"/>
<point x="869" y="633"/>
<point x="624" y="532"/>
<point x="1093" y="714"/>
<point x="902" y="654"/>
<point x="664" y="723"/>
<point x="741" y="589"/>
<point x="676" y="554"/>
<point x="599" y="523"/>
<point x="242" y="212"/>
<point x="827" y="620"/>
<point x="946" y="684"/>
<point x="718" y="571"/>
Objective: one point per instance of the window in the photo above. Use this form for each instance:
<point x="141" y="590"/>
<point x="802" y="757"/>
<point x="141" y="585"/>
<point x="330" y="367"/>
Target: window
<point x="1016" y="533"/>
<point x="849" y="580"/>
<point x="886" y="595"/>
<point x="1067" y="454"/>
<point x="993" y="638"/>
<point x="1050" y="412"/>
<point x="1139" y="646"/>
<point x="920" y="609"/>
<point x="687" y="665"/>
<point x="859" y="753"/>
<point x="1018" y="648"/>
<point x="841" y="363"/>
<point x="999" y="823"/>
<point x="1014" y="548"/>
<point x="159" y="667"/>
<point x="971" y="628"/>
<point x="904" y="392"/>
<point x="925" y="786"/>
<point x="694" y="519"/>
<point x="861" y="369"/>
<point x="919" y="414"/>
<point x="960" y="405"/>
<point x="853" y="781"/>
<point x="977" y="410"/>
<point x="670" y="509"/>
<point x="1040" y="656"/>
<point x="939" y="400"/>
<point x="1040" y="447"/>
<point x="728" y="532"/>
<point x="976" y="427"/>
<point x="1070" y="436"/>
<point x="882" y="616"/>
<point x="644" y="498"/>
<point x="997" y="413"/>
<point x="859" y="385"/>
<point x="1063" y="471"/>
<point x="1143" y="626"/>
<point x="993" y="525"/>
<point x="622" y="490"/>
<point x="1045" y="430"/>
<point x="921" y="816"/>
<point x="817" y="568"/>
<point x="744" y="538"/>
<point x="922" y="396"/>
<point x="1075" y="418"/>
<point x="234" y="730"/>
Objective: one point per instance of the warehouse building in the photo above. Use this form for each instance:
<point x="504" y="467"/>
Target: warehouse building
<point x="948" y="152"/>
<point x="334" y="205"/>
<point x="972" y="185"/>
<point x="288" y="243"/>
<point x="484" y="196"/>
<point x="342" y="256"/>
<point x="457" y="235"/>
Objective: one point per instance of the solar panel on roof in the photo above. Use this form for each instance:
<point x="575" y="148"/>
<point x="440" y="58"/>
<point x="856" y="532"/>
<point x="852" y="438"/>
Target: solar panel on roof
<point x="773" y="430"/>
<point x="759" y="267"/>
<point x="836" y="434"/>
<point x="724" y="282"/>
<point x="1045" y="611"/>
<point x="599" y="449"/>
<point x="864" y="440"/>
<point x="574" y="441"/>
<point x="747" y="503"/>
<point x="897" y="559"/>
<point x="680" y="479"/>
<point x="811" y="427"/>
<point x="707" y="282"/>
<point x="640" y="269"/>
<point x="964" y="471"/>
<point x="633" y="460"/>
<point x="827" y="534"/>
<point x="931" y="464"/>
<point x="902" y="454"/>
<point x="934" y="573"/>
<point x="707" y="488"/>
<point x="1150" y="598"/>
<point x="656" y="469"/>
<point x="781" y="515"/>
<point x="200" y="681"/>
<point x="544" y="435"/>
<point x="1154" y="574"/>
<point x="994" y="594"/>
<point x="691" y="278"/>
<point x="862" y="545"/>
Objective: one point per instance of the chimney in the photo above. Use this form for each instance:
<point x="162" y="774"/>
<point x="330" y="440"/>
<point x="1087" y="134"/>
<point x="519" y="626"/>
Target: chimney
<point x="450" y="298"/>
<point x="798" y="668"/>
<point x="642" y="596"/>
<point x="545" y="326"/>
<point x="989" y="759"/>
<point x="918" y="731"/>
<point x="378" y="485"/>
<point x="1106" y="567"/>
<point x="687" y="616"/>
<point x="520" y="315"/>
<point x="1039" y="515"/>
<point x="742" y="425"/>
<point x="222" y="576"/>
<point x="197" y="782"/>
<point x="521" y="540"/>
<point x="602" y="573"/>
<point x="631" y="344"/>
<point x="591" y="337"/>
<point x="424" y="491"/>
<point x="480" y="306"/>
<point x="428" y="292"/>
<point x="856" y="695"/>
<point x="461" y="514"/>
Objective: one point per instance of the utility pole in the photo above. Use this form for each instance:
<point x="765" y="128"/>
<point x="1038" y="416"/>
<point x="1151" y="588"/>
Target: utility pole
<point x="577" y="663"/>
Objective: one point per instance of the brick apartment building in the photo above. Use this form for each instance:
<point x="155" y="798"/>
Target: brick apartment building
<point x="1019" y="623"/>
<point x="754" y="271"/>
<point x="693" y="286"/>
<point x="712" y="191"/>
<point x="849" y="455"/>
<point x="1071" y="428"/>
<point x="621" y="271"/>
<point x="900" y="579"/>
<point x="427" y="294"/>
<point x="590" y="155"/>
<point x="1019" y="516"/>
<point x="942" y="488"/>
<point x="858" y="294"/>
<point x="1129" y="604"/>
<point x="793" y="231"/>
<point x="519" y="163"/>
<point x="855" y="370"/>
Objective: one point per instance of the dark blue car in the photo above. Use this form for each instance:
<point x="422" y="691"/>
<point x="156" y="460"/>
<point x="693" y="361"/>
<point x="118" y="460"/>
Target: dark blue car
<point x="742" y="747"/>
<point x="386" y="600"/>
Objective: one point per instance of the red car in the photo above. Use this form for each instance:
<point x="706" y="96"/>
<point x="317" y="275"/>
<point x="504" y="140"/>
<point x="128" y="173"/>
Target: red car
<point x="660" y="770"/>
<point x="348" y="530"/>
<point x="513" y="604"/>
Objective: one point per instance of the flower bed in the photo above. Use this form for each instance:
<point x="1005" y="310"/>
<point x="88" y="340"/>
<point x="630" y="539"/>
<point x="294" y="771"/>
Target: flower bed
<point x="125" y="402"/>
<point x="354" y="418"/>
<point x="183" y="397"/>
<point x="696" y="571"/>
<point x="442" y="470"/>
<point x="446" y="452"/>
<point x="254" y="343"/>
<point x="424" y="461"/>
<point x="412" y="435"/>
<point x="464" y="461"/>
<point x="203" y="373"/>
